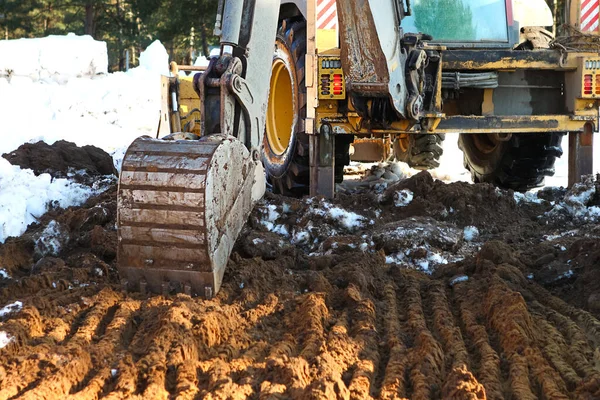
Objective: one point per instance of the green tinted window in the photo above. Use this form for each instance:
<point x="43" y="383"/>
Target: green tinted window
<point x="459" y="20"/>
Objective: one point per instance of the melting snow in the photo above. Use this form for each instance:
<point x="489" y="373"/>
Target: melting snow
<point x="270" y="217"/>
<point x="527" y="197"/>
<point x="437" y="258"/>
<point x="50" y="240"/>
<point x="4" y="274"/>
<point x="300" y="237"/>
<point x="25" y="197"/>
<point x="271" y="213"/>
<point x="567" y="274"/>
<point x="575" y="203"/>
<point x="11" y="308"/>
<point x="471" y="233"/>
<point x="396" y="258"/>
<point x="403" y="198"/>
<point x="424" y="264"/>
<point x="256" y="241"/>
<point x="281" y="230"/>
<point x="458" y="279"/>
<point x="350" y="220"/>
<point x="5" y="339"/>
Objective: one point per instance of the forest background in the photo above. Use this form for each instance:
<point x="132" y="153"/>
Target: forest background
<point x="185" y="27"/>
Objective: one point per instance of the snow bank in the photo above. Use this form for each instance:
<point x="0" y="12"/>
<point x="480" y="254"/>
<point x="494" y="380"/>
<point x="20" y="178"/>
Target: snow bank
<point x="54" y="92"/>
<point x="53" y="57"/>
<point x="155" y="58"/>
<point x="108" y="111"/>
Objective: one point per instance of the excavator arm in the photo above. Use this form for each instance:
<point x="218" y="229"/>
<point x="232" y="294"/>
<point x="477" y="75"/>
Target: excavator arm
<point x="182" y="203"/>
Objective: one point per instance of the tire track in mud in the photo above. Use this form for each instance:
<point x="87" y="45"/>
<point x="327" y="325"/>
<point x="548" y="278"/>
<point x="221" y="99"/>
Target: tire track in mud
<point x="377" y="332"/>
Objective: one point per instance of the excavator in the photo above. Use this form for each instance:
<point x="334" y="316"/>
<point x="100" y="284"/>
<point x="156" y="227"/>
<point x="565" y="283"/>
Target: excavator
<point x="297" y="81"/>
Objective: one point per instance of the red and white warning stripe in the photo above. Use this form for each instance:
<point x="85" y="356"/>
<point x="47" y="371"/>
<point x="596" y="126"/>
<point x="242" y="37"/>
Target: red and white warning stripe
<point x="327" y="14"/>
<point x="590" y="15"/>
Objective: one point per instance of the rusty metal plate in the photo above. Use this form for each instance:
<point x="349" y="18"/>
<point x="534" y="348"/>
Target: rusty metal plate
<point x="181" y="206"/>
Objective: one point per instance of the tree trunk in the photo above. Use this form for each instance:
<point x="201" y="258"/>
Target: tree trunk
<point x="89" y="24"/>
<point x="120" y="37"/>
<point x="204" y="41"/>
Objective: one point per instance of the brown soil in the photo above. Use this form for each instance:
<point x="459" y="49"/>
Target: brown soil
<point x="63" y="159"/>
<point x="314" y="306"/>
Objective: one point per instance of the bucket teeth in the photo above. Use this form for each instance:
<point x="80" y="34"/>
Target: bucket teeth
<point x="182" y="204"/>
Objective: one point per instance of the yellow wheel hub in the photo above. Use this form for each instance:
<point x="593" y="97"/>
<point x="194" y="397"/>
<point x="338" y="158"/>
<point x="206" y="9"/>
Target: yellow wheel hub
<point x="280" y="112"/>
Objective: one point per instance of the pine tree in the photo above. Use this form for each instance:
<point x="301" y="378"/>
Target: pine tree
<point x="122" y="24"/>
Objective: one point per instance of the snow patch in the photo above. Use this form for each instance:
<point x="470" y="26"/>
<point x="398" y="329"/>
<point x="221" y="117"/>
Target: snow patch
<point x="11" y="308"/>
<point x="281" y="230"/>
<point x="349" y="219"/>
<point x="575" y="203"/>
<point x="300" y="237"/>
<point x="5" y="339"/>
<point x="4" y="274"/>
<point x="527" y="197"/>
<point x="51" y="239"/>
<point x="256" y="241"/>
<point x="426" y="265"/>
<point x="25" y="197"/>
<point x="458" y="279"/>
<point x="437" y="258"/>
<point x="403" y="197"/>
<point x="565" y="275"/>
<point x="470" y="233"/>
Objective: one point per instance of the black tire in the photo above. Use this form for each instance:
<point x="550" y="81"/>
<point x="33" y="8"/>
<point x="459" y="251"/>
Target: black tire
<point x="287" y="169"/>
<point x="420" y="151"/>
<point x="521" y="163"/>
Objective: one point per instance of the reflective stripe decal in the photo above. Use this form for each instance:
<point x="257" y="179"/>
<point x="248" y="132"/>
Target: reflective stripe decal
<point x="590" y="15"/>
<point x="326" y="14"/>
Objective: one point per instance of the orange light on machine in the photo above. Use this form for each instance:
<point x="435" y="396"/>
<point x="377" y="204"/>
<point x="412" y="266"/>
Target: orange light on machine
<point x="337" y="84"/>
<point x="597" y="85"/>
<point x="587" y="84"/>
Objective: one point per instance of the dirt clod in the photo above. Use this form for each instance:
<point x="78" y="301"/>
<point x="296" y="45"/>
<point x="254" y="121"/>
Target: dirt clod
<point x="63" y="159"/>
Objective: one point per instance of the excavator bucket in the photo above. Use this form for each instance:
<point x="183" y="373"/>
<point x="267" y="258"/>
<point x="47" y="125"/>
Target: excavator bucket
<point x="181" y="207"/>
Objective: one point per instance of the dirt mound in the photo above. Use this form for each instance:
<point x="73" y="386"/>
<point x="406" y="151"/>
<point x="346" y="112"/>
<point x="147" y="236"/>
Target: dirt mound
<point x="63" y="159"/>
<point x="317" y="302"/>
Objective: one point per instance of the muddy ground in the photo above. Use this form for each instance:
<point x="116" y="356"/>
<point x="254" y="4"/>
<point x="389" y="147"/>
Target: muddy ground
<point x="411" y="289"/>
